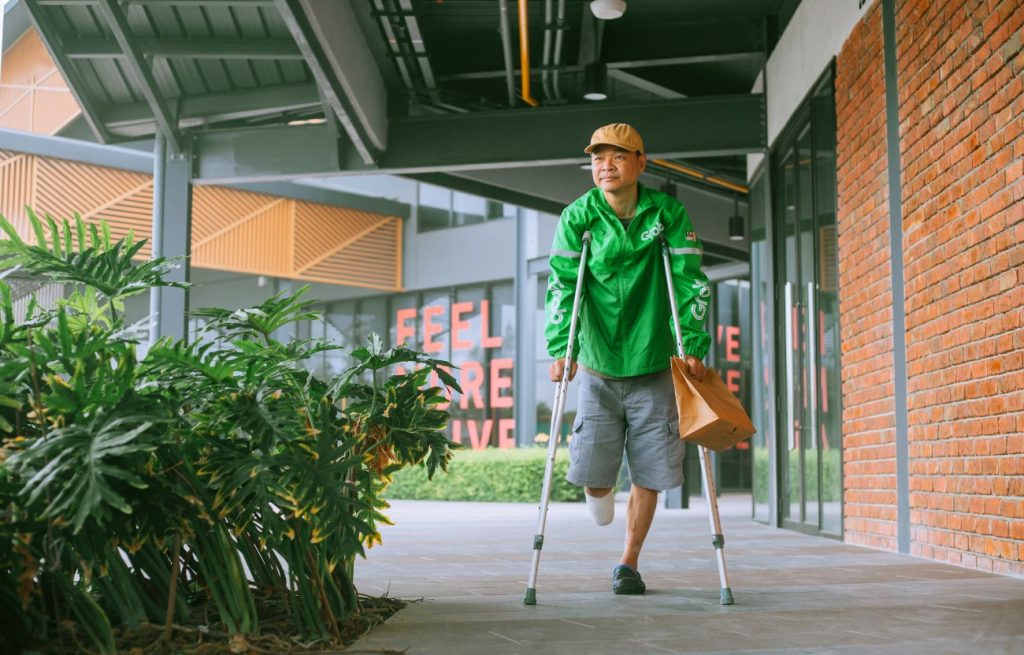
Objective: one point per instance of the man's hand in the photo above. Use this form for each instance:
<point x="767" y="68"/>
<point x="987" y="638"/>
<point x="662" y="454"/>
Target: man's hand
<point x="696" y="367"/>
<point x="558" y="368"/>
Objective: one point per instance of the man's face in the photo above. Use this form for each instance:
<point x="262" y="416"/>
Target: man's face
<point x="615" y="169"/>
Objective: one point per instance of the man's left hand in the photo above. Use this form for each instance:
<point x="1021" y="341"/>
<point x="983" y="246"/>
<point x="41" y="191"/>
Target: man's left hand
<point x="696" y="367"/>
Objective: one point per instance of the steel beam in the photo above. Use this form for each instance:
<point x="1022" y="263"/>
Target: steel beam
<point x="642" y="84"/>
<point x="76" y="150"/>
<point x="202" y="3"/>
<point x="136" y="120"/>
<point x="54" y="42"/>
<point x="690" y="127"/>
<point x="335" y="49"/>
<point x="626" y="64"/>
<point x="274" y="49"/>
<point x="164" y="3"/>
<point x="136" y="64"/>
<point x="267" y="154"/>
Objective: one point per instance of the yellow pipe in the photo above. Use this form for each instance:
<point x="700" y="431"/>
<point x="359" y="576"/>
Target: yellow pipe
<point x="524" y="55"/>
<point x="711" y="179"/>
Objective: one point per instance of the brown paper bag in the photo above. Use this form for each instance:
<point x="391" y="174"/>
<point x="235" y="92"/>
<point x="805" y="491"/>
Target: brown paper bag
<point x="709" y="414"/>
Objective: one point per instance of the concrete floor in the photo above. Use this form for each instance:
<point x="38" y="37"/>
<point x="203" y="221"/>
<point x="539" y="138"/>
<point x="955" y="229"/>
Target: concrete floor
<point x="469" y="563"/>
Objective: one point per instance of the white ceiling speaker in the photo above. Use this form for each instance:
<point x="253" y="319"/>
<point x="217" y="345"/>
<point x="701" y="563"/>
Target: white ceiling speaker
<point x="608" y="9"/>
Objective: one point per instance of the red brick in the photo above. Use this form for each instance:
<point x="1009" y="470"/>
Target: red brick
<point x="962" y="151"/>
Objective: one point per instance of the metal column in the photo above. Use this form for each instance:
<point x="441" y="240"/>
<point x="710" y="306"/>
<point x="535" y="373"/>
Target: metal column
<point x="172" y="237"/>
<point x="526" y="362"/>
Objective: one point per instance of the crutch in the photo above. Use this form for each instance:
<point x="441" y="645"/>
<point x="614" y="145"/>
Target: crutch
<point x="710" y="493"/>
<point x="558" y="407"/>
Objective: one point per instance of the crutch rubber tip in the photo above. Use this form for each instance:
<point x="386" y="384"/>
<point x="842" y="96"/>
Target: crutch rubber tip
<point x="726" y="596"/>
<point x="531" y="597"/>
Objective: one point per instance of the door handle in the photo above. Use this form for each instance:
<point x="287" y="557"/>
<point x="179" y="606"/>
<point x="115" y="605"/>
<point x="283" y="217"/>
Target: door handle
<point x="790" y="395"/>
<point x="812" y="365"/>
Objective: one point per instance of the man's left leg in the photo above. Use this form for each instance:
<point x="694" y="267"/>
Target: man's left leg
<point x="639" y="516"/>
<point x="655" y="456"/>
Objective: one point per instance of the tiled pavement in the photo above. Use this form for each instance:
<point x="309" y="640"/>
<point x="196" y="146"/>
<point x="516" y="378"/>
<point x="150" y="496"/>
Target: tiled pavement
<point x="469" y="562"/>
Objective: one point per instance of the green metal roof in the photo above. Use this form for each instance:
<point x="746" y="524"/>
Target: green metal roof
<point x="410" y="85"/>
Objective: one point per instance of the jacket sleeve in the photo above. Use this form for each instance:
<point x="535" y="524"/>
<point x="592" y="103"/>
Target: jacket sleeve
<point x="693" y="292"/>
<point x="564" y="261"/>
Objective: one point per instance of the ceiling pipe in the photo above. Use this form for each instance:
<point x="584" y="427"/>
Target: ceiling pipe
<point x="701" y="175"/>
<point x="506" y="48"/>
<point x="524" y="54"/>
<point x="557" y="60"/>
<point x="545" y="65"/>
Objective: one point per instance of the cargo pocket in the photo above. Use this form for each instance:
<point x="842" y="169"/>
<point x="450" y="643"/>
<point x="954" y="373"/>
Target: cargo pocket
<point x="676" y="446"/>
<point x="576" y="439"/>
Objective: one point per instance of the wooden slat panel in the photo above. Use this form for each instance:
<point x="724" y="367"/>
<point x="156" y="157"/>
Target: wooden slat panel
<point x="16" y="178"/>
<point x="254" y="245"/>
<point x="33" y="95"/>
<point x="217" y="209"/>
<point x="322" y="229"/>
<point x="360" y="263"/>
<point x="232" y="230"/>
<point x="65" y="187"/>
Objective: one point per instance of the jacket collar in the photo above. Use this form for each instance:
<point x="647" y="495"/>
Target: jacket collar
<point x="643" y="200"/>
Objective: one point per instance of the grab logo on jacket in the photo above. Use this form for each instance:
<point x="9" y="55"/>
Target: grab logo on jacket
<point x="557" y="290"/>
<point x="652" y="233"/>
<point x="700" y="307"/>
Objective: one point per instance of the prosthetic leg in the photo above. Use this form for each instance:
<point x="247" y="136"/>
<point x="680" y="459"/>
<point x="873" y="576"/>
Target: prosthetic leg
<point x="710" y="493"/>
<point x="557" y="408"/>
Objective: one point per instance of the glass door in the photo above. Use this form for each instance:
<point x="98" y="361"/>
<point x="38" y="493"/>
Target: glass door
<point x="809" y="451"/>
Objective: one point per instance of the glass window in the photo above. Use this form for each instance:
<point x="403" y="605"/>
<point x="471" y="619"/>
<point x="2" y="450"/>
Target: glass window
<point x="807" y="372"/>
<point x="500" y="343"/>
<point x="434" y="208"/>
<point x="823" y="123"/>
<point x="731" y="309"/>
<point x="404" y="321"/>
<point x="467" y="209"/>
<point x="762" y="411"/>
<point x="339" y="329"/>
<point x="469" y="409"/>
<point x="497" y="210"/>
<point x="545" y="393"/>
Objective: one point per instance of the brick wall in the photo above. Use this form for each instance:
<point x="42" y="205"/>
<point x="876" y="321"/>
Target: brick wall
<point x="865" y="306"/>
<point x="961" y="69"/>
<point x="960" y="74"/>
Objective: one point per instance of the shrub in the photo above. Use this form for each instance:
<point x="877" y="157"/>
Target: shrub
<point x="831" y="473"/>
<point x="218" y="473"/>
<point x="513" y="475"/>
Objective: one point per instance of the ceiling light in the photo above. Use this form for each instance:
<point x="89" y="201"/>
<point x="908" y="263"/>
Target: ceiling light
<point x="608" y="9"/>
<point x="595" y="82"/>
<point x="307" y="121"/>
<point x="736" y="221"/>
<point x="736" y="228"/>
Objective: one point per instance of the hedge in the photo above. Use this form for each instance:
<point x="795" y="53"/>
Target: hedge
<point x="512" y="475"/>
<point x="831" y="473"/>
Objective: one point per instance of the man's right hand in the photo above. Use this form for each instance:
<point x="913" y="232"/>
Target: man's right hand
<point x="558" y="369"/>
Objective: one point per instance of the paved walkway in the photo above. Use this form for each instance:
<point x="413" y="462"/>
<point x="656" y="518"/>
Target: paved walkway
<point x="794" y="593"/>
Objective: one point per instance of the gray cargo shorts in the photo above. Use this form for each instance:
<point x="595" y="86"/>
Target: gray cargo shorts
<point x="637" y="415"/>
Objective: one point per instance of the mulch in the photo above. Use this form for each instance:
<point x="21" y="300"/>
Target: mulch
<point x="209" y="637"/>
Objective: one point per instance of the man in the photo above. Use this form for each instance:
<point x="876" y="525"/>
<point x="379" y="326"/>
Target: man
<point x="626" y="338"/>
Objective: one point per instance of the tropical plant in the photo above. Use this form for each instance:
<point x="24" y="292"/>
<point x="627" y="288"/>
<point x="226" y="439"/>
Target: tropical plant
<point x="218" y="471"/>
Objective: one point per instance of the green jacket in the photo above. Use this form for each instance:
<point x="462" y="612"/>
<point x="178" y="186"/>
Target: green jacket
<point x="625" y="324"/>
